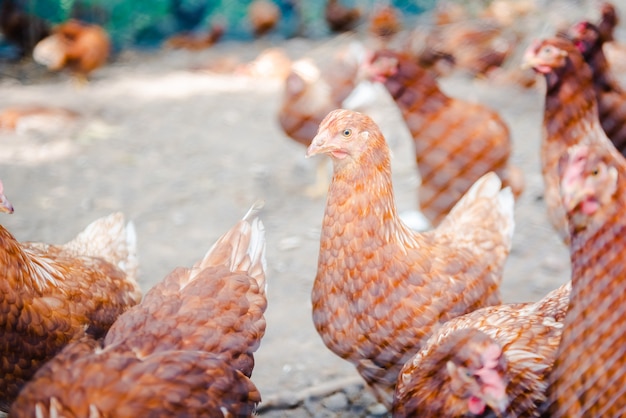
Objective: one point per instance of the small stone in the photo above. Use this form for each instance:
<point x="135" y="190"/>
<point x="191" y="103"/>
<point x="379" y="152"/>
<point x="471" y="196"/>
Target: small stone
<point x="377" y="410"/>
<point x="336" y="402"/>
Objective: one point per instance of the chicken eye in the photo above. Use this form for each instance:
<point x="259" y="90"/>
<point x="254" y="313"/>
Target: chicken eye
<point x="346" y="133"/>
<point x="595" y="172"/>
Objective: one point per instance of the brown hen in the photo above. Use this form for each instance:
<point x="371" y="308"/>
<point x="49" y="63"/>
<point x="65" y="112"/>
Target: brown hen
<point x="610" y="95"/>
<point x="614" y="50"/>
<point x="590" y="369"/>
<point x="75" y="45"/>
<point x="456" y="142"/>
<point x="340" y="18"/>
<point x="45" y="118"/>
<point x="186" y="350"/>
<point x="263" y="16"/>
<point x="384" y="22"/>
<point x="381" y="289"/>
<point x="570" y="113"/>
<point x="196" y="42"/>
<point x="52" y="295"/>
<point x="493" y="360"/>
<point x="475" y="46"/>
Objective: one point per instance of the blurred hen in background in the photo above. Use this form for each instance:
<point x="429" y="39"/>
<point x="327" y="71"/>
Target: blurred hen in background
<point x="456" y="141"/>
<point x="74" y="45"/>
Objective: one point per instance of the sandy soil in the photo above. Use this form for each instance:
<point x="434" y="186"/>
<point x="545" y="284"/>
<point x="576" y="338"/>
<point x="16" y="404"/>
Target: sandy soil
<point x="185" y="153"/>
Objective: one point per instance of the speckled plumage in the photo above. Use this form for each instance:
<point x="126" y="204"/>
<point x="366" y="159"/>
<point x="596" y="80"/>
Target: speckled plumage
<point x="185" y="350"/>
<point x="590" y="370"/>
<point x="382" y="288"/>
<point x="51" y="295"/>
<point x="78" y="46"/>
<point x="570" y="114"/>
<point x="527" y="333"/>
<point x="456" y="142"/>
<point x="610" y="96"/>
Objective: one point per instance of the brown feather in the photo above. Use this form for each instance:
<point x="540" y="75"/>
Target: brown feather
<point x="456" y="142"/>
<point x="528" y="335"/>
<point x="382" y="288"/>
<point x="570" y="114"/>
<point x="590" y="365"/>
<point x="52" y="295"/>
<point x="185" y="350"/>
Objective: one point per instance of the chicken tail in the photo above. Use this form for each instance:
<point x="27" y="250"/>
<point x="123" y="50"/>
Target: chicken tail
<point x="109" y="238"/>
<point x="486" y="199"/>
<point x="242" y="248"/>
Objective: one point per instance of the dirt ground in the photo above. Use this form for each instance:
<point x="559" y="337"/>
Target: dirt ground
<point x="185" y="153"/>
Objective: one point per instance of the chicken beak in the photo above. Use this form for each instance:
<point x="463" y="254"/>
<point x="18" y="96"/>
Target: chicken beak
<point x="530" y="57"/>
<point x="5" y="205"/>
<point x="319" y="145"/>
<point x="494" y="385"/>
<point x="572" y="197"/>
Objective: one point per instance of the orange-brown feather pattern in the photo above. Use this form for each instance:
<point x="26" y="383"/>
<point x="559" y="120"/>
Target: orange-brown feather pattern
<point x="185" y="350"/>
<point x="570" y="114"/>
<point x="381" y="289"/>
<point x="528" y="334"/>
<point x="52" y="295"/>
<point x="456" y="142"/>
<point x="590" y="363"/>
<point x="610" y="96"/>
<point x="75" y="45"/>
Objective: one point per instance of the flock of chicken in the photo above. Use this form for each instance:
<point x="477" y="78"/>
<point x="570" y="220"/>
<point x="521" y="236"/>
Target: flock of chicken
<point x="418" y="314"/>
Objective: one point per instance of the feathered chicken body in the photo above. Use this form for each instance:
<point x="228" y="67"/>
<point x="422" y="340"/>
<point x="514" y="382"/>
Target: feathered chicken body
<point x="614" y="50"/>
<point x="609" y="94"/>
<point x="197" y="41"/>
<point x="493" y="359"/>
<point x="477" y="46"/>
<point x="311" y="92"/>
<point x="590" y="367"/>
<point x="186" y="350"/>
<point x="385" y="21"/>
<point x="52" y="295"/>
<point x="75" y="45"/>
<point x="263" y="16"/>
<point x="570" y="114"/>
<point x="381" y="288"/>
<point x="456" y="142"/>
<point x="339" y="17"/>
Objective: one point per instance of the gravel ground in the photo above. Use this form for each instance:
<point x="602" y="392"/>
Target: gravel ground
<point x="185" y="153"/>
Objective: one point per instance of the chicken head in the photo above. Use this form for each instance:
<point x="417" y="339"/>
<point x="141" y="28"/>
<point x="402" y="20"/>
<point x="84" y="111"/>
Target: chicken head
<point x="544" y="57"/>
<point x="587" y="183"/>
<point x="585" y="36"/>
<point x="344" y="136"/>
<point x="477" y="372"/>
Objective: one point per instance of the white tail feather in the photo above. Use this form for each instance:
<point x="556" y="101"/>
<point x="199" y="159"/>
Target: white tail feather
<point x="242" y="248"/>
<point x="110" y="238"/>
<point x="475" y="205"/>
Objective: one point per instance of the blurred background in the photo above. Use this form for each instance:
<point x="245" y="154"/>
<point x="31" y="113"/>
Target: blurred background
<point x="147" y="24"/>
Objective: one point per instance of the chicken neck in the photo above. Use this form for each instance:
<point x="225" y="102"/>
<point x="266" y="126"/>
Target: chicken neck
<point x="570" y="102"/>
<point x="592" y="347"/>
